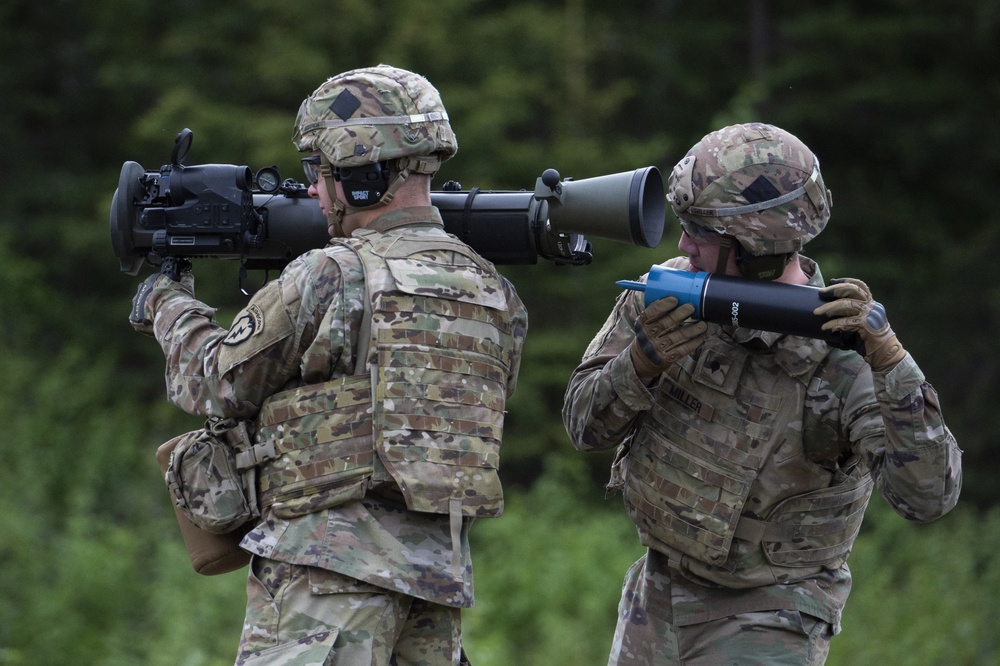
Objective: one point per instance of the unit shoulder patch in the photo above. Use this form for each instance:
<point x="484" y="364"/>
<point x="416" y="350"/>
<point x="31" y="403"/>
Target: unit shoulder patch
<point x="256" y="328"/>
<point x="249" y="324"/>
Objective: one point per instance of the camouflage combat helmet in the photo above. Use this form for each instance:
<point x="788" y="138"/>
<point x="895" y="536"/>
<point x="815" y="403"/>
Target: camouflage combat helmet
<point x="376" y="114"/>
<point x="754" y="182"/>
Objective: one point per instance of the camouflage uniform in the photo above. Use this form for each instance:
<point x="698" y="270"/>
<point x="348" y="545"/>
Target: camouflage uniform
<point x="375" y="371"/>
<point x="746" y="467"/>
<point x="299" y="330"/>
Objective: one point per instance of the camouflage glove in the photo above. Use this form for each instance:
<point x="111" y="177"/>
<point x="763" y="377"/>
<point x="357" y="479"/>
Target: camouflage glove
<point x="662" y="338"/>
<point x="854" y="310"/>
<point x="177" y="275"/>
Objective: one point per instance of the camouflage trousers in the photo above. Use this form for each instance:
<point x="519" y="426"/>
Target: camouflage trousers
<point x="298" y="615"/>
<point x="646" y="634"/>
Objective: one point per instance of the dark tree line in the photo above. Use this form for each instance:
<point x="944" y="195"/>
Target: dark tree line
<point x="893" y="95"/>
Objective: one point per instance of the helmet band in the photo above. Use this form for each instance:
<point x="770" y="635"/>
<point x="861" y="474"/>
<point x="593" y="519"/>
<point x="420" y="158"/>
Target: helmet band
<point x="763" y="205"/>
<point x="434" y="116"/>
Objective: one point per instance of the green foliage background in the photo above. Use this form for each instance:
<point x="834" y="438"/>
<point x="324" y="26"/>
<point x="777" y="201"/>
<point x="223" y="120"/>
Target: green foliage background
<point x="893" y="95"/>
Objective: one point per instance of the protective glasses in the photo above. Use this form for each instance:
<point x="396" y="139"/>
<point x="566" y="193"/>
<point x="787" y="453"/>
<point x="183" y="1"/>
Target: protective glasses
<point x="699" y="234"/>
<point x="311" y="166"/>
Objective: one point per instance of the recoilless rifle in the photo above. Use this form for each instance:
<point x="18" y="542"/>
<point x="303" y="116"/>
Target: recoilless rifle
<point x="226" y="211"/>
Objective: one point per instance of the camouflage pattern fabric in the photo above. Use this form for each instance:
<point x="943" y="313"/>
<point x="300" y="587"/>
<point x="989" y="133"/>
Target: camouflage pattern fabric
<point x="375" y="114"/>
<point x="334" y="465"/>
<point x="443" y="339"/>
<point x="442" y="345"/>
<point x="205" y="483"/>
<point x="890" y="423"/>
<point x="210" y="554"/>
<point x="298" y="615"/>
<point x="647" y="635"/>
<point x="302" y="329"/>
<point x="755" y="182"/>
<point x="690" y="474"/>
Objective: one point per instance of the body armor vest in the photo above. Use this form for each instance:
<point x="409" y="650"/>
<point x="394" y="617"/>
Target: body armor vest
<point x="428" y="411"/>
<point x="729" y="452"/>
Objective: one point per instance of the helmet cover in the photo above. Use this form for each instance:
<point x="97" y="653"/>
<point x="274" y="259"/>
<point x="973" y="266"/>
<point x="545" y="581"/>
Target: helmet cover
<point x="755" y="182"/>
<point x="375" y="114"/>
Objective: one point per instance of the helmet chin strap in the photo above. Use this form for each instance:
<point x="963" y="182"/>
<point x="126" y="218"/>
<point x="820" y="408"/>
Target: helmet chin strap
<point x="335" y="217"/>
<point x="725" y="245"/>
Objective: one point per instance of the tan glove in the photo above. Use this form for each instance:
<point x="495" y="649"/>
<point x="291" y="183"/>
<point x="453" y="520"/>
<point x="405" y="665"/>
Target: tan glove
<point x="662" y="338"/>
<point x="855" y="311"/>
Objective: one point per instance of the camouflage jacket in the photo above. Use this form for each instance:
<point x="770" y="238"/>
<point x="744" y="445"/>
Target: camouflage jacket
<point x="301" y="329"/>
<point x="888" y="423"/>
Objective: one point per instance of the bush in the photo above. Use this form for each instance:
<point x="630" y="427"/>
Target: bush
<point x="549" y="573"/>
<point x="924" y="595"/>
